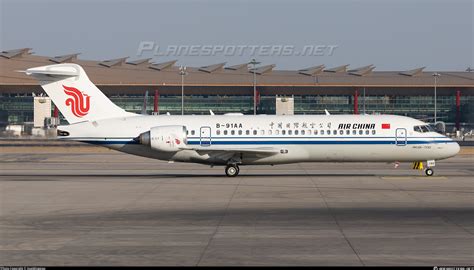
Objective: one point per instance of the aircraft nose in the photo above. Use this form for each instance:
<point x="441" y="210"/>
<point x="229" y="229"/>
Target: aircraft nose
<point x="452" y="149"/>
<point x="455" y="148"/>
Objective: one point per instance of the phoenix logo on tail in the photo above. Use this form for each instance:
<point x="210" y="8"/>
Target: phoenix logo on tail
<point x="78" y="101"/>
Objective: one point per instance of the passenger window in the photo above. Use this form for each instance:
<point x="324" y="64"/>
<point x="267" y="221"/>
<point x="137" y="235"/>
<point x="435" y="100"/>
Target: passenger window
<point x="361" y="132"/>
<point x="296" y="132"/>
<point x="277" y="132"/>
<point x="262" y="132"/>
<point x="354" y="132"/>
<point x="218" y="132"/>
<point x="283" y="132"/>
<point x="329" y="132"/>
<point x="254" y="132"/>
<point x="341" y="132"/>
<point x="269" y="132"/>
<point x="334" y="132"/>
<point x="373" y="132"/>
<point x="322" y="132"/>
<point x="240" y="132"/>
<point x="315" y="132"/>
<point x="192" y="132"/>
<point x="302" y="132"/>
<point x="309" y="131"/>
<point x="247" y="132"/>
<point x="289" y="132"/>
<point x="225" y="132"/>
<point x="232" y="132"/>
<point x="187" y="132"/>
<point x="367" y="132"/>
<point x="348" y="132"/>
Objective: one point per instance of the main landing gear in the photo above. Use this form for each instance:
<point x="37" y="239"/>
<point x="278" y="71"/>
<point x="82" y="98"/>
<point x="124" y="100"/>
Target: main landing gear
<point x="232" y="170"/>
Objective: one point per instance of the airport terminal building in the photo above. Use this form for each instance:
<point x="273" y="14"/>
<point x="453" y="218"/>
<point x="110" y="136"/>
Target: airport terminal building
<point x="230" y="88"/>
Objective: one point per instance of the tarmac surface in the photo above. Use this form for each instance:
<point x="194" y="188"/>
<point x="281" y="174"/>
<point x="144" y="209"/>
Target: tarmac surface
<point x="90" y="206"/>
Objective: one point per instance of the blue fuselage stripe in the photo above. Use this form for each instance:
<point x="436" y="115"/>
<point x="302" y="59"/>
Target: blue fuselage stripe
<point x="282" y="142"/>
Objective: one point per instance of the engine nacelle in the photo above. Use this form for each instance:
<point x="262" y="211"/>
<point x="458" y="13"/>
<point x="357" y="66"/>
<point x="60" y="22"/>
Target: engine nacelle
<point x="164" y="138"/>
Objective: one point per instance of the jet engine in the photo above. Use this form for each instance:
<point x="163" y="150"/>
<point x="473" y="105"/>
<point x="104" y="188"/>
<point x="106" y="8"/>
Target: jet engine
<point x="164" y="138"/>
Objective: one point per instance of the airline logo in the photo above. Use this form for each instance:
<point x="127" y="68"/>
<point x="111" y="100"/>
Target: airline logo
<point x="176" y="141"/>
<point x="385" y="126"/>
<point x="78" y="101"/>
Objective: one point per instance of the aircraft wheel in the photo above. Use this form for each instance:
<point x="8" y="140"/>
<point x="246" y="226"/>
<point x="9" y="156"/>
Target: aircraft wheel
<point x="232" y="170"/>
<point x="429" y="172"/>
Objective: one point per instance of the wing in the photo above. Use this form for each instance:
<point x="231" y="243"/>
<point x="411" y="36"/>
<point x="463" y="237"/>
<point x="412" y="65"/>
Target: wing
<point x="255" y="150"/>
<point x="225" y="153"/>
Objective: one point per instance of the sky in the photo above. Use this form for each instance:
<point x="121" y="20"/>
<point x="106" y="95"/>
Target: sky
<point x="392" y="35"/>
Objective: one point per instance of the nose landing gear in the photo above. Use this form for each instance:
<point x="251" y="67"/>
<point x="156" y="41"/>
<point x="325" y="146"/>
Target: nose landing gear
<point x="429" y="172"/>
<point x="429" y="167"/>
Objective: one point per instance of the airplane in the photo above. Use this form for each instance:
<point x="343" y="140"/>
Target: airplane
<point x="235" y="140"/>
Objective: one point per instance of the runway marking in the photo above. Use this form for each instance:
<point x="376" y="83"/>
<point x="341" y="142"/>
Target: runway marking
<point x="432" y="178"/>
<point x="413" y="178"/>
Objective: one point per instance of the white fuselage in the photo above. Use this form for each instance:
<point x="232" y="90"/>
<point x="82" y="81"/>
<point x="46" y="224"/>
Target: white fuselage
<point x="302" y="138"/>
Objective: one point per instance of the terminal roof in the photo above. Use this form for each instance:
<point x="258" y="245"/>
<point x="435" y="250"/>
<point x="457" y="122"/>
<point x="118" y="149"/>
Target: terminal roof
<point x="14" y="53"/>
<point x="338" y="69"/>
<point x="163" y="65"/>
<point x="311" y="71"/>
<point x="362" y="71"/>
<point x="64" y="58"/>
<point x="264" y="69"/>
<point x="212" y="68"/>
<point x="243" y="66"/>
<point x="412" y="72"/>
<point x="113" y="62"/>
<point x="139" y="62"/>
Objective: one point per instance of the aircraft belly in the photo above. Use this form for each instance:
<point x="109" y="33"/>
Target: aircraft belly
<point x="288" y="154"/>
<point x="295" y="154"/>
<point x="349" y="153"/>
<point x="142" y="150"/>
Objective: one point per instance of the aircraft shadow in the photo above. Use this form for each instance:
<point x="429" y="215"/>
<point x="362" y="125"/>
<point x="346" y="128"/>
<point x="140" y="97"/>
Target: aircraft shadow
<point x="177" y="176"/>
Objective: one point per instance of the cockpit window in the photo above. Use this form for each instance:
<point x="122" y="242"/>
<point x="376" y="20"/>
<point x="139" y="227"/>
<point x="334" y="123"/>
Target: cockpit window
<point x="423" y="128"/>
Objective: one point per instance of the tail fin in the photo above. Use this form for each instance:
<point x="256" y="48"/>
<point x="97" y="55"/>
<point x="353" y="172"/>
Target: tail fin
<point x="76" y="97"/>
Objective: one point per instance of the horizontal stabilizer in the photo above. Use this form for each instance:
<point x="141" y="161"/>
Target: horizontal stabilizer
<point x="68" y="71"/>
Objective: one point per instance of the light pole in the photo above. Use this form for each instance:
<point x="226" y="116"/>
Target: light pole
<point x="182" y="72"/>
<point x="254" y="62"/>
<point x="435" y="75"/>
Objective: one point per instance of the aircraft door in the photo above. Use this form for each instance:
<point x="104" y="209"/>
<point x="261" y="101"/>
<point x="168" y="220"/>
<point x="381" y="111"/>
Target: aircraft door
<point x="205" y="136"/>
<point x="401" y="136"/>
